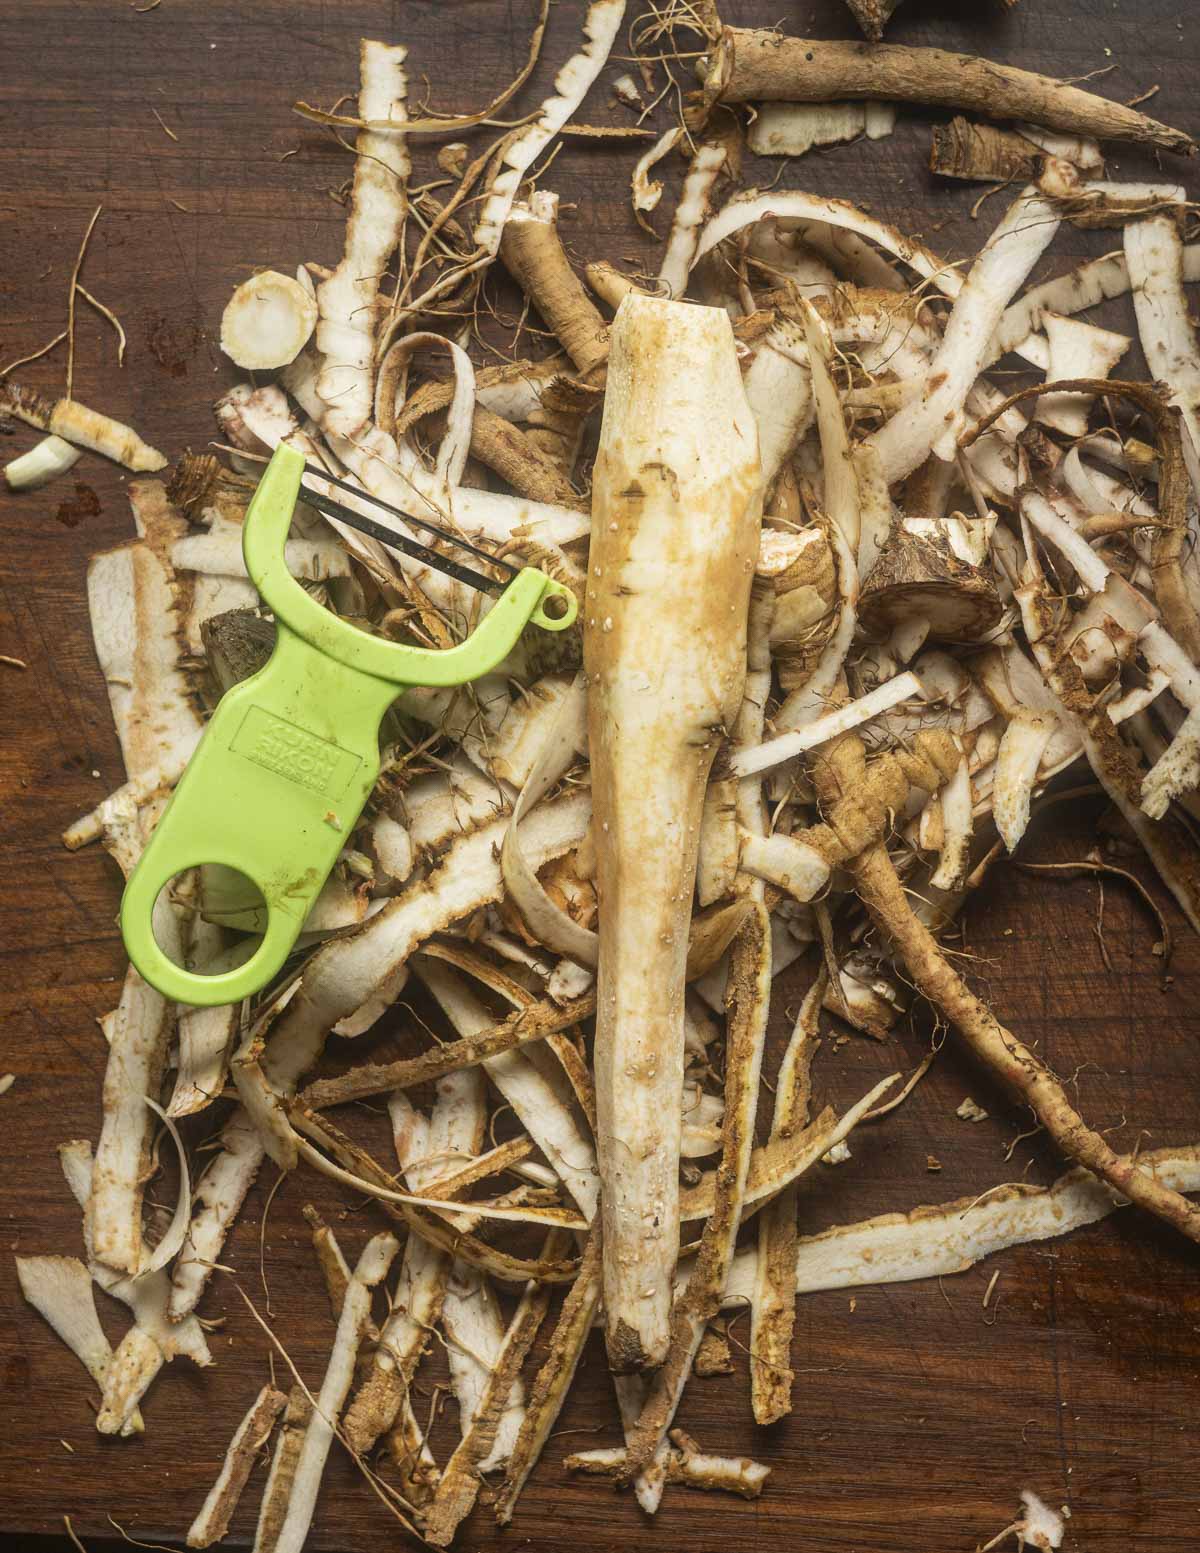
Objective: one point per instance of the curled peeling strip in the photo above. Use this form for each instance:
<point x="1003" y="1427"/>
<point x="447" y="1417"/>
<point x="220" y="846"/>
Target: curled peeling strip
<point x="172" y="1241"/>
<point x="550" y="925"/>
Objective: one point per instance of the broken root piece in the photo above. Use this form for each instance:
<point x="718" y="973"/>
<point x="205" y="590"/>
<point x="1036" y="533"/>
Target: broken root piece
<point x="75" y="423"/>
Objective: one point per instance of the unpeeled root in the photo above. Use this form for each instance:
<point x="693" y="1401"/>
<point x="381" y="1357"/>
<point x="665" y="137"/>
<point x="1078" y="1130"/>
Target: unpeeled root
<point x="756" y="66"/>
<point x="1022" y="1070"/>
<point x="533" y="254"/>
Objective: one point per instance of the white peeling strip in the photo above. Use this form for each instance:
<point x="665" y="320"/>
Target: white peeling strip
<point x="957" y="825"/>
<point x="683" y="245"/>
<point x="1017" y="761"/>
<point x="938" y="1242"/>
<point x="372" y="1268"/>
<point x="1176" y="771"/>
<point x="571" y="86"/>
<point x="775" y="751"/>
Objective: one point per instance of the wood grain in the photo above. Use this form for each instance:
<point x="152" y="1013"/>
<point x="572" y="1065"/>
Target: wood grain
<point x="919" y="1415"/>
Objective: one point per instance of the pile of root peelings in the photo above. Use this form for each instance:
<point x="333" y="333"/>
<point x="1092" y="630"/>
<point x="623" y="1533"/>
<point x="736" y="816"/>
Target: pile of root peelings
<point x="847" y="611"/>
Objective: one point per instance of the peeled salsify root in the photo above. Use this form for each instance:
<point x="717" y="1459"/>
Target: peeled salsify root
<point x="74" y="422"/>
<point x="675" y="532"/>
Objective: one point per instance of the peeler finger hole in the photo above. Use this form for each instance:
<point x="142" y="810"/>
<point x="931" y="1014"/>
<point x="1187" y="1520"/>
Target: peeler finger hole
<point x="209" y="919"/>
<point x="556" y="609"/>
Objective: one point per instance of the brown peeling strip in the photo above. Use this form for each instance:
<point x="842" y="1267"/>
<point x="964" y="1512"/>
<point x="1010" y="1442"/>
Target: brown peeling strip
<point x="383" y="1399"/>
<point x="686" y="1464"/>
<point x="278" y="1490"/>
<point x="405" y="1443"/>
<point x="771" y="1168"/>
<point x="690" y="1465"/>
<point x="333" y="1264"/>
<point x="426" y="1222"/>
<point x="713" y="1357"/>
<point x="461" y="1482"/>
<point x="574" y="1065"/>
<point x="250" y="1436"/>
<point x="553" y="1380"/>
<point x="773" y="1315"/>
<point x="1170" y="540"/>
<point x="503" y="1157"/>
<point x="981" y="153"/>
<point x="774" y="1312"/>
<point x="534" y="1023"/>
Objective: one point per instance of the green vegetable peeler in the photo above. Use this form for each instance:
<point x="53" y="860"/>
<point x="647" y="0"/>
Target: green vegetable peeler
<point x="290" y="755"/>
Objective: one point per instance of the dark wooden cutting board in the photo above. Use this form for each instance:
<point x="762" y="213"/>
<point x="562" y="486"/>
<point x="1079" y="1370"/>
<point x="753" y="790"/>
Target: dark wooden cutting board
<point x="919" y="1415"/>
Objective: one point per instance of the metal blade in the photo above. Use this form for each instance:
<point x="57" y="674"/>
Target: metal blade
<point x="412" y="547"/>
<point x="446" y="535"/>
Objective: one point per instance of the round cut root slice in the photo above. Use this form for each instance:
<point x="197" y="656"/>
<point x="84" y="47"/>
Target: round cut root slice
<point x="267" y="321"/>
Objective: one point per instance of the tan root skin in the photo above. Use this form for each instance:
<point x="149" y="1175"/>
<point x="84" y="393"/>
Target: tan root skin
<point x="675" y="526"/>
<point x="981" y="153"/>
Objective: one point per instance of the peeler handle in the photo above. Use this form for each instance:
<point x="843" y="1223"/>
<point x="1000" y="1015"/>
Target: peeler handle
<point x="289" y="757"/>
<point x="273" y="790"/>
